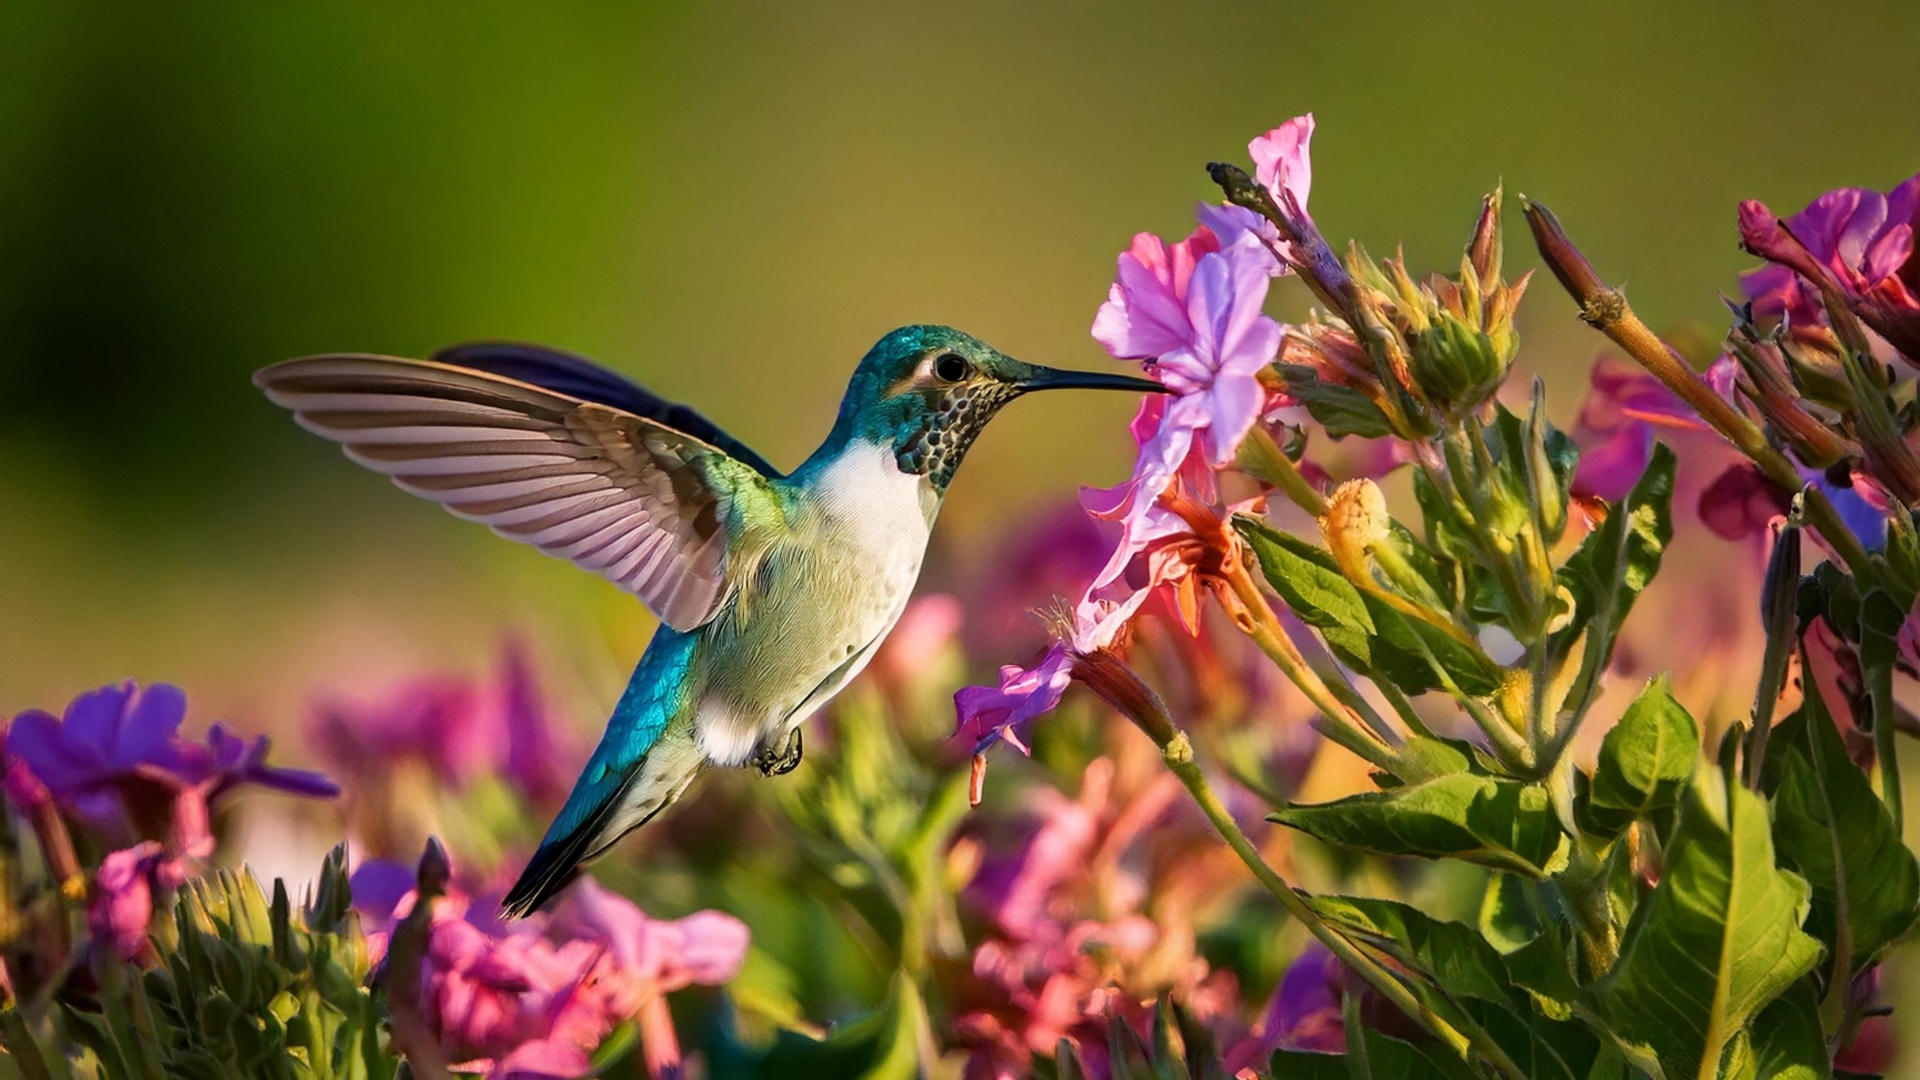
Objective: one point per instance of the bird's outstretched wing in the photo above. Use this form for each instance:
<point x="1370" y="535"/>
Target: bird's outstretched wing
<point x="650" y="507"/>
<point x="576" y="376"/>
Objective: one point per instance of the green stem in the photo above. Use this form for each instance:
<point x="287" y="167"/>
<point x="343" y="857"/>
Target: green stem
<point x="1880" y="688"/>
<point x="1178" y="754"/>
<point x="1257" y="620"/>
<point x="1264" y="460"/>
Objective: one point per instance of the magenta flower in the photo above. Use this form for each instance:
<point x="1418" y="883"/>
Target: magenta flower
<point x="122" y="904"/>
<point x="990" y="714"/>
<point x="460" y="729"/>
<point x="1864" y="238"/>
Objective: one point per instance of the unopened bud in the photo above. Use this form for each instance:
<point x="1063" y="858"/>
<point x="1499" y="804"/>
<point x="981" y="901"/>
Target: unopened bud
<point x="1356" y="520"/>
<point x="1458" y="364"/>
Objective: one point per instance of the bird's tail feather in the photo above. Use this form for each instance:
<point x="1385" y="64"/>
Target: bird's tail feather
<point x="650" y="786"/>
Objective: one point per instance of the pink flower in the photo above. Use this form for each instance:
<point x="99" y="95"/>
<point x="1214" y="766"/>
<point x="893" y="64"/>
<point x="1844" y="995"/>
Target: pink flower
<point x="706" y="947"/>
<point x="1194" y="312"/>
<point x="927" y="629"/>
<point x="541" y="994"/>
<point x="1864" y="238"/>
<point x="122" y="903"/>
<point x="1617" y="422"/>
<point x="1284" y="167"/>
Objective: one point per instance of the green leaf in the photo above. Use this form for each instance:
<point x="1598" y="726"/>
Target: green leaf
<point x="1463" y="974"/>
<point x="1834" y="831"/>
<point x="1307" y="1065"/>
<point x="1341" y="410"/>
<point x="1645" y="760"/>
<point x="1306" y="578"/>
<point x="1504" y="824"/>
<point x="1362" y="631"/>
<point x="1614" y="564"/>
<point x="1786" y="1040"/>
<point x="1717" y="940"/>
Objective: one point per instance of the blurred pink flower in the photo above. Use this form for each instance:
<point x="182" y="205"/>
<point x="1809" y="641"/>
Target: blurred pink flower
<point x="1071" y="945"/>
<point x="927" y="629"/>
<point x="122" y="903"/>
<point x="542" y="993"/>
<point x="1864" y="238"/>
<point x="460" y="729"/>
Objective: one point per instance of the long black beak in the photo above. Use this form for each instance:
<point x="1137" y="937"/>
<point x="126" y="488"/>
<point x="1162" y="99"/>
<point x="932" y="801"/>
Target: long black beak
<point x="1046" y="378"/>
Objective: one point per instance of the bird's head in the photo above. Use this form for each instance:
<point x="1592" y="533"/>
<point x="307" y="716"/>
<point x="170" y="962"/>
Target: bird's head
<point x="929" y="391"/>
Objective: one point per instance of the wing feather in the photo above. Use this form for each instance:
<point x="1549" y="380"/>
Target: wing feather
<point x="650" y="507"/>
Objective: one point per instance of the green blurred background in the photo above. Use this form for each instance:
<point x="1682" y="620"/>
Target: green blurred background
<point x="730" y="202"/>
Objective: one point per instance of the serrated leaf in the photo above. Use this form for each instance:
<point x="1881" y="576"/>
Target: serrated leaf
<point x="1645" y="761"/>
<point x="1835" y="832"/>
<point x="1306" y="578"/>
<point x="1504" y="824"/>
<point x="1717" y="940"/>
<point x="1362" y="630"/>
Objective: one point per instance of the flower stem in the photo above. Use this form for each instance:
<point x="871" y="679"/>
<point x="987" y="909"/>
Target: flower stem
<point x="1263" y="459"/>
<point x="1605" y="309"/>
<point x="1250" y="609"/>
<point x="1178" y="754"/>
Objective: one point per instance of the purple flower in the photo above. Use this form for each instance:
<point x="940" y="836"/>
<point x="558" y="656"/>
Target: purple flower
<point x="107" y="737"/>
<point x="1303" y="1014"/>
<point x="122" y="903"/>
<point x="1864" y="238"/>
<point x="990" y="714"/>
<point x="229" y="760"/>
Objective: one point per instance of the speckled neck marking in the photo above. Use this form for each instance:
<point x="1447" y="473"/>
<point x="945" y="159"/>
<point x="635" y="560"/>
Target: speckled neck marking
<point x="940" y="435"/>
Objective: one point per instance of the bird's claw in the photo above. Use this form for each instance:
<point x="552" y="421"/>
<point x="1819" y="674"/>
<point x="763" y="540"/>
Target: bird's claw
<point x="780" y="762"/>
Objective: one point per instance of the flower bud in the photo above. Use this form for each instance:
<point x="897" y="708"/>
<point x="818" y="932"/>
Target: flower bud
<point x="1356" y="520"/>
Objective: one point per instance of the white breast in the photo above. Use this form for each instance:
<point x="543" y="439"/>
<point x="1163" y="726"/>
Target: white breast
<point x="868" y="523"/>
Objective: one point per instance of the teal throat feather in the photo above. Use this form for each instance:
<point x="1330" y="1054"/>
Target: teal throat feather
<point x="773" y="591"/>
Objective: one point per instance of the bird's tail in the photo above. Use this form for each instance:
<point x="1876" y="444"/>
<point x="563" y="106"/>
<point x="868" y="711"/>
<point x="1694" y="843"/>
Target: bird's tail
<point x="600" y="811"/>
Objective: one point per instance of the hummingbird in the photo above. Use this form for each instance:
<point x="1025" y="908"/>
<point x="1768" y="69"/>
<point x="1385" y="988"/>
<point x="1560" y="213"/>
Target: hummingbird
<point x="772" y="590"/>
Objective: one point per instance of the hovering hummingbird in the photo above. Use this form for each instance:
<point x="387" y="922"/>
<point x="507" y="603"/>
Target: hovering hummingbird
<point x="772" y="590"/>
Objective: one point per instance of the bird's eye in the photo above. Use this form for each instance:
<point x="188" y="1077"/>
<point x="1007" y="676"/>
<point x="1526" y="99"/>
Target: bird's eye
<point x="951" y="367"/>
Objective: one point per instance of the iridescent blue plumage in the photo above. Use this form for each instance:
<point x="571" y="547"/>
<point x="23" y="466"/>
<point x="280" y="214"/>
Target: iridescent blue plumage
<point x="773" y="591"/>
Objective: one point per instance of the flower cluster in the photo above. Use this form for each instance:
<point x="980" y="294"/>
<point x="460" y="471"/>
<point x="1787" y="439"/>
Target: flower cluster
<point x="116" y="766"/>
<point x="535" y="998"/>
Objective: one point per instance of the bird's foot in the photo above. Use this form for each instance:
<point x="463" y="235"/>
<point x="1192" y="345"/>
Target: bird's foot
<point x="779" y="762"/>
